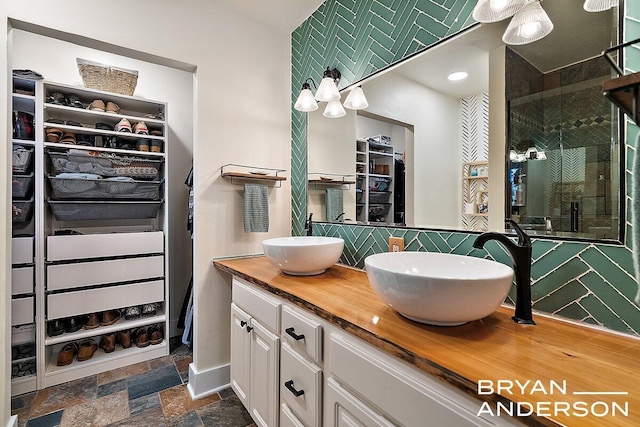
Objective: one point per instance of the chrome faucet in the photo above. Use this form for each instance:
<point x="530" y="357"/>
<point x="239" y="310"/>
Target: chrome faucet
<point x="308" y="225"/>
<point x="520" y="254"/>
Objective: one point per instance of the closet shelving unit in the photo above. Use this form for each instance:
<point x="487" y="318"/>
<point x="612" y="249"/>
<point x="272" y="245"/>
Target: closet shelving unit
<point x="104" y="248"/>
<point x="475" y="191"/>
<point x="374" y="179"/>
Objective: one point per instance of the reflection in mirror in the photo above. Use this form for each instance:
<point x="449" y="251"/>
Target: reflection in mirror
<point x="424" y="155"/>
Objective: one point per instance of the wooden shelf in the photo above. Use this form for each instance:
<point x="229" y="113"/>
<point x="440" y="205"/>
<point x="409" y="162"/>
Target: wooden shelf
<point x="476" y="177"/>
<point x="256" y="176"/>
<point x="624" y="91"/>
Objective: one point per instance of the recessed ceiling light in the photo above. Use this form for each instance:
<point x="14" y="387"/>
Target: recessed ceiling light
<point x="458" y="75"/>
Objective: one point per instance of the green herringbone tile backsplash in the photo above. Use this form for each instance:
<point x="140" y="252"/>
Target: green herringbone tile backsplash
<point x="589" y="282"/>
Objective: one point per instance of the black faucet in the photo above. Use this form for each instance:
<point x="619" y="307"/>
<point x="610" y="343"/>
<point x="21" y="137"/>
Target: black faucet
<point x="339" y="216"/>
<point x="308" y="225"/>
<point x="520" y="254"/>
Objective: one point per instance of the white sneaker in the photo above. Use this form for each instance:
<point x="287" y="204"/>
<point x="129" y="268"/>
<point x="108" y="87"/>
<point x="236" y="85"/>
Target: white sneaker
<point x="141" y="128"/>
<point x="123" y="126"/>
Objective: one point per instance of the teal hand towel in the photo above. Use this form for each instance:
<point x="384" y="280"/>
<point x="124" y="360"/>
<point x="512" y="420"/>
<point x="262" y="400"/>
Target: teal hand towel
<point x="635" y="215"/>
<point x="256" y="208"/>
<point x="334" y="203"/>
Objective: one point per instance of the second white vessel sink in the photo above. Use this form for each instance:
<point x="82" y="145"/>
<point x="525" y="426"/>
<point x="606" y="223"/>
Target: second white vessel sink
<point x="439" y="289"/>
<point x="303" y="255"/>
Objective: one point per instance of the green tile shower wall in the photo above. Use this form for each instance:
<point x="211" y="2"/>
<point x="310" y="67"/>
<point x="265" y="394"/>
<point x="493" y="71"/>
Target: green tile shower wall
<point x="589" y="282"/>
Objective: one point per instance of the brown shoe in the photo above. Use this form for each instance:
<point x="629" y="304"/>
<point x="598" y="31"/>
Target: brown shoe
<point x="93" y="321"/>
<point x="110" y="317"/>
<point x="108" y="343"/>
<point x="141" y="337"/>
<point x="155" y="334"/>
<point x="66" y="354"/>
<point x="86" y="350"/>
<point x="124" y="337"/>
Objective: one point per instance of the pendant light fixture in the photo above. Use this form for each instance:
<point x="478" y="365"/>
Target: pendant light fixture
<point x="334" y="110"/>
<point x="529" y="24"/>
<point x="356" y="99"/>
<point x="328" y="89"/>
<point x="599" y="5"/>
<point x="496" y="10"/>
<point x="306" y="102"/>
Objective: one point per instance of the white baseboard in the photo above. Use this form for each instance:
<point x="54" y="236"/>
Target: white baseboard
<point x="13" y="421"/>
<point x="204" y="383"/>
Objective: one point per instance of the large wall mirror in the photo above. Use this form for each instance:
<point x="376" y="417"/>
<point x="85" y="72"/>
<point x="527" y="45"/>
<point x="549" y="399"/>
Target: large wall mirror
<point x="527" y="135"/>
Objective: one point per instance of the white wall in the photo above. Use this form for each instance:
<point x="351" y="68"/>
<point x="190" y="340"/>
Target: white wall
<point x="435" y="117"/>
<point x="155" y="82"/>
<point x="235" y="56"/>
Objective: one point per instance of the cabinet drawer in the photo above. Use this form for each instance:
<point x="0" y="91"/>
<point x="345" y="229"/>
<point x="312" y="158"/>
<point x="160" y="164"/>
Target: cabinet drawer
<point x="257" y="303"/>
<point x="303" y="333"/>
<point x="93" y="300"/>
<point x="67" y="276"/>
<point x="21" y="280"/>
<point x="297" y="374"/>
<point x="394" y="389"/>
<point x="287" y="419"/>
<point x="22" y="250"/>
<point x="21" y="311"/>
<point x="342" y="409"/>
<point x="85" y="246"/>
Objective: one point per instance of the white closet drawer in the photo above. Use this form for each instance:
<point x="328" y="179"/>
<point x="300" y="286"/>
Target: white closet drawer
<point x="94" y="300"/>
<point x="257" y="303"/>
<point x="299" y="375"/>
<point x="21" y="311"/>
<point x="68" y="276"/>
<point x="21" y="250"/>
<point x="85" y="246"/>
<point x="287" y="419"/>
<point x="303" y="333"/>
<point x="21" y="280"/>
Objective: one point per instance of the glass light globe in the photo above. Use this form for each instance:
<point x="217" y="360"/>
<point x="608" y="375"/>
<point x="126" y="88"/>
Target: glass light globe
<point x="306" y="102"/>
<point x="334" y="110"/>
<point x="356" y="99"/>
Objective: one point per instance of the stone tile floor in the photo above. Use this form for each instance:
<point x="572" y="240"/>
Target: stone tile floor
<point x="152" y="393"/>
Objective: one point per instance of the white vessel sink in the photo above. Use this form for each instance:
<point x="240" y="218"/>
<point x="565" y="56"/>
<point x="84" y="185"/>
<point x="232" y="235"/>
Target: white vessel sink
<point x="303" y="255"/>
<point x="439" y="289"/>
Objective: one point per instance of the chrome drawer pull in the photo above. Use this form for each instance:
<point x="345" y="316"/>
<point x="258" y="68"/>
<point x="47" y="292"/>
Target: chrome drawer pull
<point x="296" y="393"/>
<point x="295" y="336"/>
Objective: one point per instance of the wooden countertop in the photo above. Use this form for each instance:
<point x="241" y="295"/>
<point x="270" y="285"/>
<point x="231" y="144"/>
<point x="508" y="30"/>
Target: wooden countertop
<point x="578" y="358"/>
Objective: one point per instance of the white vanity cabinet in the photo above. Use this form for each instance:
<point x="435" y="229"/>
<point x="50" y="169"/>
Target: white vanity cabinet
<point x="255" y="351"/>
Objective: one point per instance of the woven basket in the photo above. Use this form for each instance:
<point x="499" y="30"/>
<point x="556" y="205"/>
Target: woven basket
<point x="107" y="78"/>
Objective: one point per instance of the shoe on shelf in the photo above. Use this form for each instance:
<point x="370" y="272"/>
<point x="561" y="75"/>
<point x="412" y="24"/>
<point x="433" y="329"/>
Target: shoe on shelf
<point x="112" y="108"/>
<point x="149" y="309"/>
<point x="123" y="126"/>
<point x="86" y="349"/>
<point x="57" y="98"/>
<point x="141" y="337"/>
<point x="67" y="353"/>
<point x="53" y="134"/>
<point x="124" y="338"/>
<point x="74" y="101"/>
<point x="93" y="321"/>
<point x="155" y="334"/>
<point x="55" y="327"/>
<point x="74" y="324"/>
<point x="132" y="312"/>
<point x="141" y="128"/>
<point x="96" y="105"/>
<point x="142" y="144"/>
<point x="68" y="138"/>
<point x="108" y="343"/>
<point x="110" y="317"/>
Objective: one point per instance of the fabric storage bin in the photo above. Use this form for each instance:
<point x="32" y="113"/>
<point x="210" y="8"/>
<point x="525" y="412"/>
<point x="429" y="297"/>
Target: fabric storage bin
<point x="379" y="184"/>
<point x="21" y="159"/>
<point x="21" y="185"/>
<point x="105" y="164"/>
<point x="103" y="210"/>
<point x="379" y="210"/>
<point x="80" y="188"/>
<point x="21" y="211"/>
<point x="379" y="196"/>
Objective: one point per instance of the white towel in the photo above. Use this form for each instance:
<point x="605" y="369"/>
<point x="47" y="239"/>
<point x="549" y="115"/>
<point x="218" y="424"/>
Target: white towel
<point x="256" y="208"/>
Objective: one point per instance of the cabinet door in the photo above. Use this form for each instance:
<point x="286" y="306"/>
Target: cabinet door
<point x="265" y="361"/>
<point x="240" y="354"/>
<point x="342" y="409"/>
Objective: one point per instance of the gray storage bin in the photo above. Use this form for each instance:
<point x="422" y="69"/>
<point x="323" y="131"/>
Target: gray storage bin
<point x="21" y="159"/>
<point x="379" y="210"/>
<point x="80" y="188"/>
<point x="21" y="211"/>
<point x="103" y="210"/>
<point x="379" y="196"/>
<point x="105" y="165"/>
<point x="21" y="185"/>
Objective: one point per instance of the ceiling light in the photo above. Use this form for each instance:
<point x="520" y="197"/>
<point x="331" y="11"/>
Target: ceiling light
<point x="458" y="75"/>
<point x="531" y="23"/>
<point x="356" y="99"/>
<point x="328" y="89"/>
<point x="334" y="110"/>
<point x="306" y="102"/>
<point x="599" y="5"/>
<point x="496" y="10"/>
